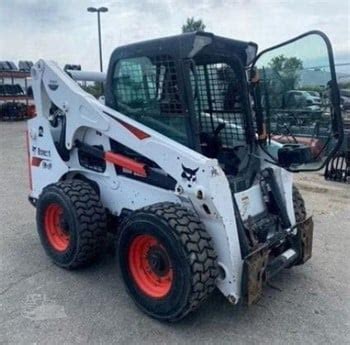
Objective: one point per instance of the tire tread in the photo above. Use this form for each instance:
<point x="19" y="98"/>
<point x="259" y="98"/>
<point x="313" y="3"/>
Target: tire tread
<point x="91" y="217"/>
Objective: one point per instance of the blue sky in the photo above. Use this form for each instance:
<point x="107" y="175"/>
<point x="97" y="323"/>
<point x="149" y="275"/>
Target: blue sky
<point x="64" y="31"/>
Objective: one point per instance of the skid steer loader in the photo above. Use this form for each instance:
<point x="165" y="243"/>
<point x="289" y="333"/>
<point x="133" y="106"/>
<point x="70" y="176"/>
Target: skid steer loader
<point x="183" y="161"/>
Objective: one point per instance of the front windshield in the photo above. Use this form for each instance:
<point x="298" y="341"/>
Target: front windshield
<point x="219" y="103"/>
<point x="221" y="113"/>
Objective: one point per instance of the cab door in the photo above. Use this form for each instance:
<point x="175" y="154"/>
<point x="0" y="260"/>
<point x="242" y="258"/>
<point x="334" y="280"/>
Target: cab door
<point x="298" y="103"/>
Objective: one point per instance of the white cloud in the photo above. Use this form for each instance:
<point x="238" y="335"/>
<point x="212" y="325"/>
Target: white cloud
<point x="64" y="31"/>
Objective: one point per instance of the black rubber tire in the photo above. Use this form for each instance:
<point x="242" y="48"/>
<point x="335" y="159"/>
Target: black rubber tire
<point x="299" y="205"/>
<point x="190" y="251"/>
<point x="86" y="219"/>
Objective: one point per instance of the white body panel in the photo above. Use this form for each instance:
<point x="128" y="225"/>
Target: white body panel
<point x="89" y="120"/>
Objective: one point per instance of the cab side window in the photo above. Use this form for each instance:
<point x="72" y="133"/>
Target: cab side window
<point x="147" y="90"/>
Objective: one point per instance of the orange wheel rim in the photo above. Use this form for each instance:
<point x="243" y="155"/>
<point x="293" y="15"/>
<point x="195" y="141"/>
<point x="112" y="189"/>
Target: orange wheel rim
<point x="56" y="231"/>
<point x="150" y="266"/>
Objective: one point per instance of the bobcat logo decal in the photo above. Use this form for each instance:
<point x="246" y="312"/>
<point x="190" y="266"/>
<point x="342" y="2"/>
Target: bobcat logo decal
<point x="189" y="174"/>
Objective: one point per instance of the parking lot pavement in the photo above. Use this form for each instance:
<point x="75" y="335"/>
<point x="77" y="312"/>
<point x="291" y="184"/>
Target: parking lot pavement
<point x="43" y="304"/>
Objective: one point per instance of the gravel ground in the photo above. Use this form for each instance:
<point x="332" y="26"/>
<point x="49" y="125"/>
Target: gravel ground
<point x="43" y="304"/>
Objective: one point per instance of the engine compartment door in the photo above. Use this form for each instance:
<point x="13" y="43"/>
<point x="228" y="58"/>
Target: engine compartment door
<point x="297" y="102"/>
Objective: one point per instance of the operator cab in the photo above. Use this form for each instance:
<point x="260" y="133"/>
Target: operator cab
<point x="192" y="88"/>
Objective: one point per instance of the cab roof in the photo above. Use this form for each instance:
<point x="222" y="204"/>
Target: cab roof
<point x="189" y="45"/>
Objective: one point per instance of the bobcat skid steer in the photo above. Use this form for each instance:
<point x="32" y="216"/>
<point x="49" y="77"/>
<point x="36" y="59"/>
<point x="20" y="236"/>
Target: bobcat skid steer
<point x="188" y="160"/>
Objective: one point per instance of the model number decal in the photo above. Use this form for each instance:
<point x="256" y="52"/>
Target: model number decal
<point x="41" y="163"/>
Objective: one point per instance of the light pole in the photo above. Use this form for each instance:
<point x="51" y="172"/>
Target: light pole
<point x="99" y="10"/>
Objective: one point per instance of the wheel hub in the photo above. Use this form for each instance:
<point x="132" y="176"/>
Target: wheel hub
<point x="63" y="224"/>
<point x="158" y="261"/>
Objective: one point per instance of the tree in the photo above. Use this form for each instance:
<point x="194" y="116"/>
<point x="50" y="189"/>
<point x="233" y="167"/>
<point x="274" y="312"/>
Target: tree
<point x="282" y="76"/>
<point x="94" y="89"/>
<point x="286" y="70"/>
<point x="193" y="25"/>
